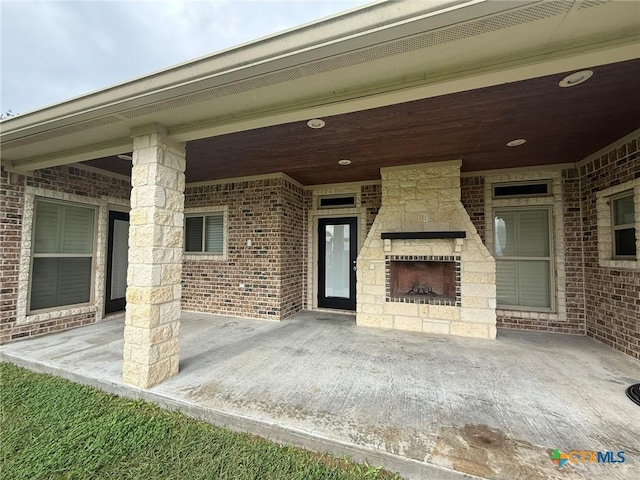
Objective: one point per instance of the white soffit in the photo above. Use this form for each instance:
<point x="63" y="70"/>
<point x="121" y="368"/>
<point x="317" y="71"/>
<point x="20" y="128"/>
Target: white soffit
<point x="523" y="41"/>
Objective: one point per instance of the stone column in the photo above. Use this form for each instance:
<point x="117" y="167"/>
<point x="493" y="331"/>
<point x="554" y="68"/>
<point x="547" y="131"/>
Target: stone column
<point x="151" y="344"/>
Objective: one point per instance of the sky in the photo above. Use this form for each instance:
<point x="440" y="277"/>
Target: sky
<point x="51" y="51"/>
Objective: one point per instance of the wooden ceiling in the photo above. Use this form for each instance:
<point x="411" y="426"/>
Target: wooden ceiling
<point x="560" y="125"/>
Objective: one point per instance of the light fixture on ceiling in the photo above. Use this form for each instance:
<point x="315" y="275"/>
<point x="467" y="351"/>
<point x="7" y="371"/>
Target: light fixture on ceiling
<point x="125" y="157"/>
<point x="517" y="142"/>
<point x="315" y="123"/>
<point x="344" y="162"/>
<point x="576" y="78"/>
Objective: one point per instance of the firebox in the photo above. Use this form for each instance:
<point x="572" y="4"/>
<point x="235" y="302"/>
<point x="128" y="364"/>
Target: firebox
<point x="423" y="279"/>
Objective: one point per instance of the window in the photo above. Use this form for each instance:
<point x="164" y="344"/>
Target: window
<point x="523" y="257"/>
<point x="205" y="233"/>
<point x="341" y="201"/>
<point x="63" y="254"/>
<point x="522" y="189"/>
<point x="623" y="224"/>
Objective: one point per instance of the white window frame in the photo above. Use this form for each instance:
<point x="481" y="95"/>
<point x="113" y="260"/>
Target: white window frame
<point x="556" y="203"/>
<point x="605" y="228"/>
<point x="550" y="258"/>
<point x="204" y="212"/>
<point x="625" y="226"/>
<point x="96" y="308"/>
<point x="92" y="255"/>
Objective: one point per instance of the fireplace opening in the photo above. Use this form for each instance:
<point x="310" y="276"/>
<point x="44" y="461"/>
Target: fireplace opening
<point x="423" y="281"/>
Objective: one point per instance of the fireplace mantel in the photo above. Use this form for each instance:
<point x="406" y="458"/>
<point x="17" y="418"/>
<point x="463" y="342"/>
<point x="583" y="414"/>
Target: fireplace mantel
<point x="422" y="235"/>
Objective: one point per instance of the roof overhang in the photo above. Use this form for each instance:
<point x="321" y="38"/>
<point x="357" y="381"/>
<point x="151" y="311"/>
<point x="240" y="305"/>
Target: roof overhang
<point x="382" y="54"/>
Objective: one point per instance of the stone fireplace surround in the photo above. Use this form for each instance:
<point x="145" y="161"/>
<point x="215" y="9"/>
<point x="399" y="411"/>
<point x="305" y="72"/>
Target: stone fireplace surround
<point x="426" y="198"/>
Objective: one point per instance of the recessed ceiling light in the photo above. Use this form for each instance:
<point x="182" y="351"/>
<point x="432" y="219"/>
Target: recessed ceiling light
<point x="316" y="123"/>
<point x="344" y="162"/>
<point x="125" y="157"/>
<point x="516" y="143"/>
<point x="576" y="78"/>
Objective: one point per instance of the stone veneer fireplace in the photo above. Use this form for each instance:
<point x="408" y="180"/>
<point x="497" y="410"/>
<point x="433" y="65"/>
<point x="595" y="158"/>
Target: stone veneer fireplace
<point x="423" y="266"/>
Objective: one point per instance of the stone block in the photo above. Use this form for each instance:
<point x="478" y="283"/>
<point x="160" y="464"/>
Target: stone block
<point x="168" y="348"/>
<point x="161" y="294"/>
<point x="430" y="326"/>
<point x="365" y="298"/>
<point x="169" y="312"/>
<point x="476" y="330"/>
<point x="369" y="320"/>
<point x="397" y="308"/>
<point x="171" y="274"/>
<point x="164" y="217"/>
<point x="476" y="302"/>
<point x="174" y="200"/>
<point x="146" y="156"/>
<point x="158" y="372"/>
<point x="143" y="316"/>
<point x="131" y="373"/>
<point x="163" y="176"/>
<point x="372" y="308"/>
<point x="160" y="334"/>
<point x="487" y="290"/>
<point x="440" y="312"/>
<point x="137" y="295"/>
<point x="174" y="162"/>
<point x="138" y="216"/>
<point x="478" y="315"/>
<point x="477" y="267"/>
<point x="173" y="236"/>
<point x="148" y="196"/>
<point x="492" y="332"/>
<point x="413" y="324"/>
<point x="147" y="275"/>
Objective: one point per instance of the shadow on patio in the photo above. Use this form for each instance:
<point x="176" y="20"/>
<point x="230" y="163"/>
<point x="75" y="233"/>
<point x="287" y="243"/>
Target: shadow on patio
<point x="409" y="401"/>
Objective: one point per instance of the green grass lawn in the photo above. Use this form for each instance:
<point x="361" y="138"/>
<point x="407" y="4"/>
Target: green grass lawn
<point x="53" y="428"/>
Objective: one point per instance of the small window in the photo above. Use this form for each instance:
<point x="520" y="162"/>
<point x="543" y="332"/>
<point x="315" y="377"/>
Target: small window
<point x="528" y="189"/>
<point x="63" y="254"/>
<point x="623" y="224"/>
<point x="205" y="233"/>
<point x="343" y="201"/>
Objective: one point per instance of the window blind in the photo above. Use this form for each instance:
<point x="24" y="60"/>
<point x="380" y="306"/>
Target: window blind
<point x="523" y="262"/>
<point x="63" y="254"/>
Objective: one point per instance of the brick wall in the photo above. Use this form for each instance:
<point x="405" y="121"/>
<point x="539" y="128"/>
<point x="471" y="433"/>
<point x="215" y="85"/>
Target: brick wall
<point x="371" y="199"/>
<point x="472" y="196"/>
<point x="307" y="200"/>
<point x="11" y="201"/>
<point x="573" y="263"/>
<point x="269" y="213"/>
<point x="612" y="295"/>
<point x="66" y="179"/>
<point x="292" y="254"/>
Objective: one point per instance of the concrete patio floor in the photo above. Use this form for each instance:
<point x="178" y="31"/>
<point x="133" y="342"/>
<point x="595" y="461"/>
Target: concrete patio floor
<point x="427" y="406"/>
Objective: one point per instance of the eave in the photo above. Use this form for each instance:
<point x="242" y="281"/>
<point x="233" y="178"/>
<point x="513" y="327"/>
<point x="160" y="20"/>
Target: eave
<point x="332" y="68"/>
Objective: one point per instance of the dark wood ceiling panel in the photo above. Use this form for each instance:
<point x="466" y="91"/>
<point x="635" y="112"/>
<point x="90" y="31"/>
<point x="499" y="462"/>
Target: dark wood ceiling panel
<point x="560" y="125"/>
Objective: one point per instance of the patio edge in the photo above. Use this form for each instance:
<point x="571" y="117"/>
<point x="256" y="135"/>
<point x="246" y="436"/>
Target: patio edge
<point x="406" y="467"/>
